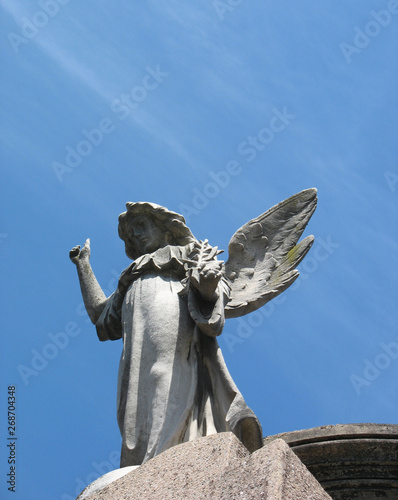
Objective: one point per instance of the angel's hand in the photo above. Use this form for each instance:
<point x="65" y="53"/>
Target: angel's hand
<point x="206" y="281"/>
<point x="78" y="255"/>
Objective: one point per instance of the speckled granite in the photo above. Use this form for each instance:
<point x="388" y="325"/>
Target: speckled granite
<point x="273" y="472"/>
<point x="218" y="467"/>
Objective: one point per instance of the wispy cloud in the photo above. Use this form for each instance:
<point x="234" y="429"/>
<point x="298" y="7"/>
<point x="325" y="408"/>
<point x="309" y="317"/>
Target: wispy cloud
<point x="63" y="58"/>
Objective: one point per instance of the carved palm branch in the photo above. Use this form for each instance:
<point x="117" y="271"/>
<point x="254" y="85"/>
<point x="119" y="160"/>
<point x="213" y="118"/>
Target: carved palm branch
<point x="264" y="252"/>
<point x="202" y="255"/>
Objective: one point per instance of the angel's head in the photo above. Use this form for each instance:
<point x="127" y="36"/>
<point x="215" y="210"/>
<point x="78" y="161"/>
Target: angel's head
<point x="145" y="227"/>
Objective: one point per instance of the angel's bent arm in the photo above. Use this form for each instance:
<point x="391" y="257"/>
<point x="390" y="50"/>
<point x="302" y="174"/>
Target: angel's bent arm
<point x="93" y="296"/>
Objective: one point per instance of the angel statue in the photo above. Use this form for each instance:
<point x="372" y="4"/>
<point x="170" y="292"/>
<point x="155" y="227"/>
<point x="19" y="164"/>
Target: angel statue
<point x="169" y="307"/>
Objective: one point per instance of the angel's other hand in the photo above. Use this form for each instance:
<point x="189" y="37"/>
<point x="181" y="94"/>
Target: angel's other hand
<point x="207" y="283"/>
<point x="78" y="255"/>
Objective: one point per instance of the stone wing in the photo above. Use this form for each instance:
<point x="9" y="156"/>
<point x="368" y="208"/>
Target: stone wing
<point x="264" y="252"/>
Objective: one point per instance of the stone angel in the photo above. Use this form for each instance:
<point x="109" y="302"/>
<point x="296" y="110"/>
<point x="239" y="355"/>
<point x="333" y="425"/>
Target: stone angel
<point x="171" y="304"/>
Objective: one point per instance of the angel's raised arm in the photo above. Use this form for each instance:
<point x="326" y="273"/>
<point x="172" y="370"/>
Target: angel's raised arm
<point x="93" y="296"/>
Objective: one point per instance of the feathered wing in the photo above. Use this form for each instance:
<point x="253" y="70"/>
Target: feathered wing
<point x="264" y="252"/>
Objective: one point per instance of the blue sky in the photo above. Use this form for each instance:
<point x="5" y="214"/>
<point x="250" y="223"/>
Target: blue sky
<point x="178" y="99"/>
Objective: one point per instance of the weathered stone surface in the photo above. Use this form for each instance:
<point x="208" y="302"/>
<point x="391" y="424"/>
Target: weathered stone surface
<point x="351" y="461"/>
<point x="218" y="467"/>
<point x="181" y="470"/>
<point x="273" y="472"/>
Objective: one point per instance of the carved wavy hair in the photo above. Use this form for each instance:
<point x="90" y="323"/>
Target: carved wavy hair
<point x="171" y="223"/>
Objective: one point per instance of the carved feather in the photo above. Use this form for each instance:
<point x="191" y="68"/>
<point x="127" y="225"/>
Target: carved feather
<point x="264" y="252"/>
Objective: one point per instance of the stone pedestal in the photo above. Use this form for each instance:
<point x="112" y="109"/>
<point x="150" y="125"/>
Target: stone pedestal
<point x="217" y="467"/>
<point x="350" y="461"/>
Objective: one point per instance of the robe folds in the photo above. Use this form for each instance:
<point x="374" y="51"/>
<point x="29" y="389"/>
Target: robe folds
<point x="173" y="384"/>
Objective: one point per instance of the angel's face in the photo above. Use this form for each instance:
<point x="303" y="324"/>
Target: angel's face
<point x="147" y="236"/>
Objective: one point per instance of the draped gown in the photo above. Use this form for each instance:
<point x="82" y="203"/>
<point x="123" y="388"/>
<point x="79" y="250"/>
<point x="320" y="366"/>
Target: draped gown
<point x="173" y="384"/>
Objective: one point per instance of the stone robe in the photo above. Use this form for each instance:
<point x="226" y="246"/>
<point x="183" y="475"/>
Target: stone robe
<point x="173" y="384"/>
